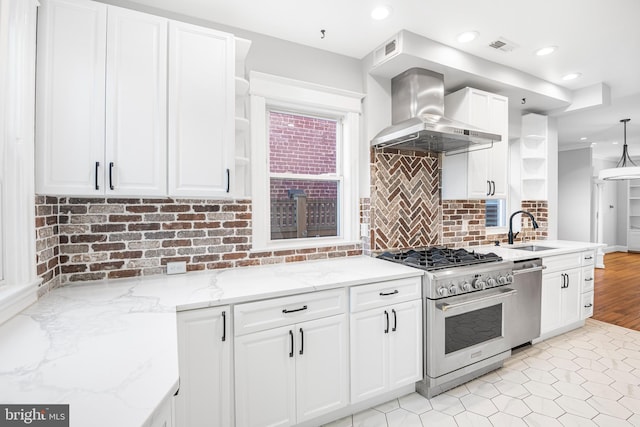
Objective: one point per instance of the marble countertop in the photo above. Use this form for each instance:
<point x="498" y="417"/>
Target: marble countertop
<point x="109" y="348"/>
<point x="559" y="247"/>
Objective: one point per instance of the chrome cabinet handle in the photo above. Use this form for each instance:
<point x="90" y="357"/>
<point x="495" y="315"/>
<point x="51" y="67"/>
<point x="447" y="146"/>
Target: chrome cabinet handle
<point x="589" y="279"/>
<point x="588" y="305"/>
<point x="529" y="270"/>
<point x="395" y="320"/>
<point x="228" y="180"/>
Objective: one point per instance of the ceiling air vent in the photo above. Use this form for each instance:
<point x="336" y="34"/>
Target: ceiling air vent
<point x="388" y="50"/>
<point x="503" y="45"/>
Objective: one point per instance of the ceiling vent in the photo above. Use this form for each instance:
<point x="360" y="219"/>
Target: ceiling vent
<point x="388" y="50"/>
<point x="503" y="45"/>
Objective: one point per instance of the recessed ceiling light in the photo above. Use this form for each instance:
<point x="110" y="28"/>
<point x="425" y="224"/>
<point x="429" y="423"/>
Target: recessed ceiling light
<point x="571" y="76"/>
<point x="593" y="144"/>
<point x="380" y="13"/>
<point x="467" y="36"/>
<point x="584" y="138"/>
<point x="615" y="142"/>
<point x="546" y="50"/>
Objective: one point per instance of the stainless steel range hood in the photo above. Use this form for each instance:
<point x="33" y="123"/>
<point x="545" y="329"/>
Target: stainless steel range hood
<point x="417" y="107"/>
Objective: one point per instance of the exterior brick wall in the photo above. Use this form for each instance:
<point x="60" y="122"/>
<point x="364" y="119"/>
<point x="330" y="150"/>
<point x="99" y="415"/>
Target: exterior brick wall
<point x="463" y="223"/>
<point x="83" y="239"/>
<point x="313" y="189"/>
<point x="300" y="144"/>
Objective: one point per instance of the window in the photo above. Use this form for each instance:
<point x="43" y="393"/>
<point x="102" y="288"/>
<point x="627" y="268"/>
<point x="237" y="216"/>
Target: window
<point x="305" y="164"/>
<point x="304" y="175"/>
<point x="495" y="213"/>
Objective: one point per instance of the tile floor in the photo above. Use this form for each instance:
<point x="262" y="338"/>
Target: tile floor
<point x="586" y="377"/>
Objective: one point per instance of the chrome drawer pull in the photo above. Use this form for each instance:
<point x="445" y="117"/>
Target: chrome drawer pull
<point x="588" y="306"/>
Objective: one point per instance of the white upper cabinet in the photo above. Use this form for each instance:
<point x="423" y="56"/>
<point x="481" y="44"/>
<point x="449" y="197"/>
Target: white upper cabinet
<point x="478" y="174"/>
<point x="101" y="100"/>
<point x="132" y="104"/>
<point x="201" y="111"/>
<point x="136" y="88"/>
<point x="70" y="108"/>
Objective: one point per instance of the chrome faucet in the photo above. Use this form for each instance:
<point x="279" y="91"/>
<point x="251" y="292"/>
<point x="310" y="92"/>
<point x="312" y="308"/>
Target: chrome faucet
<point x="511" y="236"/>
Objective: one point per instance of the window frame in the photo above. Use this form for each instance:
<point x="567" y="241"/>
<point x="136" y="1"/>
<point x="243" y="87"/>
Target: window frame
<point x="269" y="92"/>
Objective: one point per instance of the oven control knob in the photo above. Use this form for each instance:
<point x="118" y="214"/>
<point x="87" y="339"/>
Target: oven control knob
<point x="442" y="291"/>
<point x="478" y="284"/>
<point x="466" y="286"/>
<point x="503" y="280"/>
<point x="453" y="289"/>
<point x="509" y="278"/>
<point x="491" y="282"/>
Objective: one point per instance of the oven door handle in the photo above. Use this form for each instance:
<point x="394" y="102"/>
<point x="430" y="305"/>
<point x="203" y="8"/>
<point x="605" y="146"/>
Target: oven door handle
<point x="502" y="293"/>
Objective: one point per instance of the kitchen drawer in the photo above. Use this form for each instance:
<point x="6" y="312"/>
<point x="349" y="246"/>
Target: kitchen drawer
<point x="587" y="305"/>
<point x="588" y="278"/>
<point x="588" y="258"/>
<point x="562" y="262"/>
<point x="268" y="314"/>
<point x="383" y="293"/>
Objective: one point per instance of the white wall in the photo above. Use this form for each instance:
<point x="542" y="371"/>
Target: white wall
<point x="574" y="195"/>
<point x="613" y="193"/>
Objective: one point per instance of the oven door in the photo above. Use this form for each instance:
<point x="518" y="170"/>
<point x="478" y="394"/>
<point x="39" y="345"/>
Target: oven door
<point x="466" y="329"/>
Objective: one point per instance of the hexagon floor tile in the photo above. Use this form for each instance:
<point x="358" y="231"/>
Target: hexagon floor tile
<point x="586" y="377"/>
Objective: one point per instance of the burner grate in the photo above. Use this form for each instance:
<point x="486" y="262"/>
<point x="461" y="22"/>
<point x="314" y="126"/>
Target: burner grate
<point x="437" y="258"/>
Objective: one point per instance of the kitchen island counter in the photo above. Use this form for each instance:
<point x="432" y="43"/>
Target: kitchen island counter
<point x="109" y="348"/>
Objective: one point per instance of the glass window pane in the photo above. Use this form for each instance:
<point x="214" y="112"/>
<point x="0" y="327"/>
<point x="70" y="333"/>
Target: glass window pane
<point x="303" y="208"/>
<point x="495" y="213"/>
<point x="301" y="144"/>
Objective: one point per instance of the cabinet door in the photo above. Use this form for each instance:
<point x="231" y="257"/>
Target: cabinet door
<point x="322" y="372"/>
<point x="201" y="108"/>
<point x="369" y="355"/>
<point x="551" y="317"/>
<point x="204" y="349"/>
<point x="405" y="344"/>
<point x="498" y="155"/>
<point x="265" y="378"/>
<point x="479" y="115"/>
<point x="136" y="103"/>
<point x="571" y="303"/>
<point x="70" y="97"/>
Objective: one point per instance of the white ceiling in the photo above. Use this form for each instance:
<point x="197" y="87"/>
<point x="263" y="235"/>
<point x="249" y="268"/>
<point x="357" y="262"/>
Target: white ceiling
<point x="598" y="38"/>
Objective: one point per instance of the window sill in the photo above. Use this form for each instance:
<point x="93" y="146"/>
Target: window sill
<point x="292" y="244"/>
<point x="14" y="299"/>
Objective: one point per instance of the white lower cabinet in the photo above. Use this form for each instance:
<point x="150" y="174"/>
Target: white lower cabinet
<point x="386" y="349"/>
<point x="204" y="359"/>
<point x="292" y="373"/>
<point x="563" y="291"/>
<point x="386" y="337"/>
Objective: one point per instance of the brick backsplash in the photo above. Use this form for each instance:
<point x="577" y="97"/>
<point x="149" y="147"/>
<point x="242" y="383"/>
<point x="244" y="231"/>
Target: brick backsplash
<point x="82" y="239"/>
<point x="463" y="223"/>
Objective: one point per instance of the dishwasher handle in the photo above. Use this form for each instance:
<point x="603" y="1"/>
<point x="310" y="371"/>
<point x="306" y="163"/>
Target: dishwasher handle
<point x="529" y="270"/>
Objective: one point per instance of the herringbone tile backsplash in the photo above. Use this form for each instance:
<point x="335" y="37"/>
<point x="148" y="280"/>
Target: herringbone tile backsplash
<point x="405" y="199"/>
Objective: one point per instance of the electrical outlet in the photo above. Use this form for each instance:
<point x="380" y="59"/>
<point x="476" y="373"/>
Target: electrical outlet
<point x="364" y="230"/>
<point x="176" y="267"/>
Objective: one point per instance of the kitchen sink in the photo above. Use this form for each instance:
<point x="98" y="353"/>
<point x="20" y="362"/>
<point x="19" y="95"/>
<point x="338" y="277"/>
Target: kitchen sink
<point x="533" y="248"/>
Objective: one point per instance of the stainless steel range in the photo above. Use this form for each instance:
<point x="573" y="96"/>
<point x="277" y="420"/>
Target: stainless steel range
<point x="466" y="302"/>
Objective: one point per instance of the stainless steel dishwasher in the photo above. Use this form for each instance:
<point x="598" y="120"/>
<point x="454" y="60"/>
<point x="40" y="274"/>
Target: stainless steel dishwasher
<point x="524" y="313"/>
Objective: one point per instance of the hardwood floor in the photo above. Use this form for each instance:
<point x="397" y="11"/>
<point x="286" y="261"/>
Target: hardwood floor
<point x="617" y="290"/>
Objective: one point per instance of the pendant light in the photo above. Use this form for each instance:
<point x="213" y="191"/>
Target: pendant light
<point x="626" y="168"/>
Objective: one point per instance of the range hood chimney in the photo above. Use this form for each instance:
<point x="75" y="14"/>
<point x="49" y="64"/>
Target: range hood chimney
<point x="418" y="122"/>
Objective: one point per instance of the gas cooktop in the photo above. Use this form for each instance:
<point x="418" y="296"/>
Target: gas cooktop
<point x="437" y="258"/>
